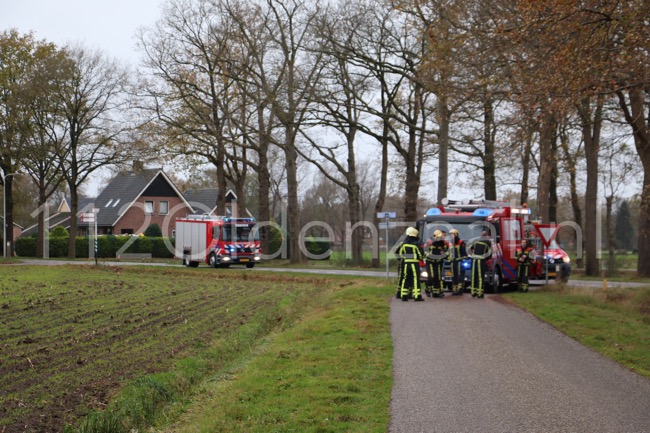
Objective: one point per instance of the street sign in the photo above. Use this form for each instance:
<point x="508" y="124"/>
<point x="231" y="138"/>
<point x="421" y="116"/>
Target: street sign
<point x="386" y="215"/>
<point x="387" y="225"/>
<point x="546" y="232"/>
<point x="88" y="217"/>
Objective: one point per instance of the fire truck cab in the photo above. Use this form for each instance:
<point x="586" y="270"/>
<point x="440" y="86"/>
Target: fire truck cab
<point x="503" y="223"/>
<point x="217" y="241"/>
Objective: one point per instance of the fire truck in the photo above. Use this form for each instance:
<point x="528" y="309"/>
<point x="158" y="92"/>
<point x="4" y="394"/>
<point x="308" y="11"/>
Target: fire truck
<point x="217" y="241"/>
<point x="505" y="226"/>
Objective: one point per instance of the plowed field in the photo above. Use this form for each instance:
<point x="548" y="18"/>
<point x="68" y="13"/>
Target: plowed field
<point x="72" y="336"/>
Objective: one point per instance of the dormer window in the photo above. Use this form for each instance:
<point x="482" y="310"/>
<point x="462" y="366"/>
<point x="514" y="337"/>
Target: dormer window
<point x="109" y="203"/>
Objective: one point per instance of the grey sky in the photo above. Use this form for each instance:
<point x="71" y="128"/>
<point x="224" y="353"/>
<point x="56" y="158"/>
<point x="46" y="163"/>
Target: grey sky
<point x="107" y="25"/>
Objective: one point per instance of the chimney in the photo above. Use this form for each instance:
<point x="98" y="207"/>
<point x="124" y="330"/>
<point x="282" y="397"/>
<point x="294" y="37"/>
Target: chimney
<point x="138" y="166"/>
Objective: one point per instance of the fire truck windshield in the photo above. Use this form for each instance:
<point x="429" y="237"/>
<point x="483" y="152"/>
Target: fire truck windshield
<point x="466" y="230"/>
<point x="242" y="233"/>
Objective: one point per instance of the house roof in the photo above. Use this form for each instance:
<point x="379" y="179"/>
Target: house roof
<point x="126" y="188"/>
<point x="204" y="201"/>
<point x="61" y="217"/>
<point x="17" y="225"/>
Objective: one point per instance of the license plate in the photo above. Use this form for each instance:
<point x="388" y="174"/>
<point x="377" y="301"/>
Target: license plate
<point x="244" y="260"/>
<point x="448" y="274"/>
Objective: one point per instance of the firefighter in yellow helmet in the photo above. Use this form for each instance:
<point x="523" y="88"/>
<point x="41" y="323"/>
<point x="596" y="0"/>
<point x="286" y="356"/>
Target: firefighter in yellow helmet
<point x="435" y="255"/>
<point x="458" y="253"/>
<point x="480" y="252"/>
<point x="409" y="255"/>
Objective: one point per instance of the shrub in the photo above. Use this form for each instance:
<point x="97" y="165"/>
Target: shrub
<point x="318" y="248"/>
<point x="59" y="232"/>
<point x="153" y="231"/>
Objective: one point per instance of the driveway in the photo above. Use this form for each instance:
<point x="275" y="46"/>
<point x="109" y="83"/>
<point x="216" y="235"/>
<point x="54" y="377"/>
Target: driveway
<point x="471" y="365"/>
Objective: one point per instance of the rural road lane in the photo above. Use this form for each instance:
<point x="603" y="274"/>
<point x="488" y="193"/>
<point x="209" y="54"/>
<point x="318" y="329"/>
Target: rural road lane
<point x="482" y="365"/>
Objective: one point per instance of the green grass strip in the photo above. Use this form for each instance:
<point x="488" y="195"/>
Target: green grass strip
<point x="330" y="373"/>
<point x="613" y="322"/>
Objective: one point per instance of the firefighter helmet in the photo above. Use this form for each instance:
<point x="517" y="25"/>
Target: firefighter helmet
<point x="437" y="234"/>
<point x="454" y="232"/>
<point x="412" y="231"/>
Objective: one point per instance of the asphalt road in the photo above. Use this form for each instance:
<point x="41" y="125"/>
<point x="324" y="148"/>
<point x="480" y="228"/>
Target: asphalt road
<point x="463" y="364"/>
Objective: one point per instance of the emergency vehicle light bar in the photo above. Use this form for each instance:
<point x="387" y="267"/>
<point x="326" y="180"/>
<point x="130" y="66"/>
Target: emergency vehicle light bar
<point x="483" y="212"/>
<point x="525" y="211"/>
<point x="433" y="211"/>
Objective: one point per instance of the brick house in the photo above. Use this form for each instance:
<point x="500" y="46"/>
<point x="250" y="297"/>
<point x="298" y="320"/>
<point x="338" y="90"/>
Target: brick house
<point x="136" y="199"/>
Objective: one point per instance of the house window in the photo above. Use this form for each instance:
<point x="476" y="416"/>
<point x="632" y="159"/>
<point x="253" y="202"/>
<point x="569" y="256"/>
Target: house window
<point x="126" y="231"/>
<point x="164" y="207"/>
<point x="148" y="207"/>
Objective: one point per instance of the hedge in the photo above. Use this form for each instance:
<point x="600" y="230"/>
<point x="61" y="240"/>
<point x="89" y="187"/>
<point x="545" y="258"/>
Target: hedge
<point x="107" y="246"/>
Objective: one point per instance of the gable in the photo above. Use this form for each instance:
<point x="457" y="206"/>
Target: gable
<point x="159" y="187"/>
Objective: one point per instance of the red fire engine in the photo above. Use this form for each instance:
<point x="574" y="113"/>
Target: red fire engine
<point x="505" y="226"/>
<point x="217" y="241"/>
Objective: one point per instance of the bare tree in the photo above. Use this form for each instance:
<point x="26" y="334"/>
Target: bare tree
<point x="90" y="99"/>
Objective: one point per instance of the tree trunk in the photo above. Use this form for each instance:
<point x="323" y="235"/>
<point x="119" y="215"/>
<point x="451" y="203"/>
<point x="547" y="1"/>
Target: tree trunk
<point x="74" y="208"/>
<point x="573" y="191"/>
<point x="443" y="115"/>
<point x="220" y="165"/>
<point x="546" y="168"/>
<point x="637" y="119"/>
<point x="264" y="180"/>
<point x="489" y="159"/>
<point x="381" y="197"/>
<point x="8" y="232"/>
<point x="611" y="238"/>
<point x="354" y="198"/>
<point x="42" y="207"/>
<point x="293" y="208"/>
<point x="591" y="126"/>
<point x="526" y="167"/>
<point x="552" y="203"/>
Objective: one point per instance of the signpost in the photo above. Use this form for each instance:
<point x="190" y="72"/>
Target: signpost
<point x="386" y="225"/>
<point x="91" y="218"/>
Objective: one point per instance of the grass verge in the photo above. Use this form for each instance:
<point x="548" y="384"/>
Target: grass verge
<point x="614" y="322"/>
<point x="329" y="373"/>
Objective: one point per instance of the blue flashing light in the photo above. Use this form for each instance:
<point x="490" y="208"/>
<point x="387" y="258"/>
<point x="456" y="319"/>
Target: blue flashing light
<point x="433" y="211"/>
<point x="466" y="264"/>
<point x="483" y="212"/>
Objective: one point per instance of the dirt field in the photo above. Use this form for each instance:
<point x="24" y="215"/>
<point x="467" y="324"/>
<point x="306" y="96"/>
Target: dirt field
<point x="72" y="336"/>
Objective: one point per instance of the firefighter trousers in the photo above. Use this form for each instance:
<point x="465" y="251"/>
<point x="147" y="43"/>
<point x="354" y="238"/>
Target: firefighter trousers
<point x="523" y="270"/>
<point x="435" y="284"/>
<point x="457" y="275"/>
<point x="409" y="280"/>
<point x="478" y="273"/>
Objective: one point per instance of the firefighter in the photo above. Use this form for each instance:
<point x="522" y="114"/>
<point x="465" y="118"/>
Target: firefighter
<point x="480" y="252"/>
<point x="435" y="256"/>
<point x="525" y="259"/>
<point x="458" y="253"/>
<point x="409" y="254"/>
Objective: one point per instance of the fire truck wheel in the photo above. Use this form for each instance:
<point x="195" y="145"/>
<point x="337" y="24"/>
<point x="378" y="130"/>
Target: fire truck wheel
<point x="250" y="265"/>
<point x="496" y="285"/>
<point x="213" y="260"/>
<point x="186" y="262"/>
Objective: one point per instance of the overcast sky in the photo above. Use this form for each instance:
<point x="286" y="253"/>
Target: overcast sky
<point x="109" y="25"/>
